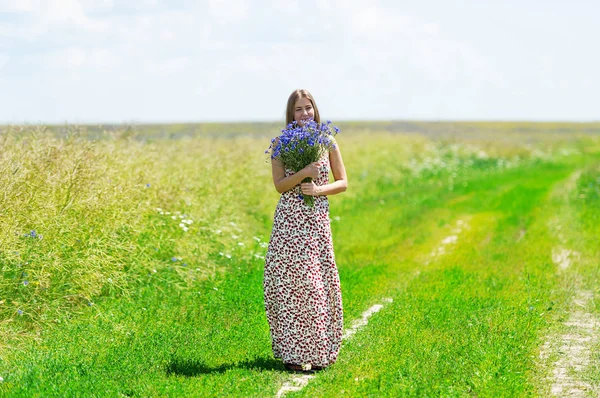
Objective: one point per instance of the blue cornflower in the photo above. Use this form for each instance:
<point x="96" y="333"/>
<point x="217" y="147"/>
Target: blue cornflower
<point x="25" y="283"/>
<point x="147" y="185"/>
<point x="299" y="145"/>
<point x="173" y="258"/>
<point x="20" y="312"/>
<point x="33" y="234"/>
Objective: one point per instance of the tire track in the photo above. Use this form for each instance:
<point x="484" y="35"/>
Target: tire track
<point x="570" y="349"/>
<point x="297" y="383"/>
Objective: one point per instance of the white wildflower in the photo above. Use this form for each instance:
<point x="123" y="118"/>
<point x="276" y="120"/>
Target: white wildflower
<point x="450" y="239"/>
<point x="256" y="238"/>
<point x="234" y="236"/>
<point x="240" y="244"/>
<point x="159" y="209"/>
<point x="228" y="255"/>
<point x="221" y="254"/>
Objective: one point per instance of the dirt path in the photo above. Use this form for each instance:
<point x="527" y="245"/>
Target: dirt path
<point x="297" y="383"/>
<point x="568" y="350"/>
<point x="572" y="348"/>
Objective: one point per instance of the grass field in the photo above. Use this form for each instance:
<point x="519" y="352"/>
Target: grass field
<point x="131" y="260"/>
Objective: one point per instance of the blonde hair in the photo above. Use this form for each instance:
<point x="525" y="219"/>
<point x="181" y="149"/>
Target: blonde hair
<point x="294" y="97"/>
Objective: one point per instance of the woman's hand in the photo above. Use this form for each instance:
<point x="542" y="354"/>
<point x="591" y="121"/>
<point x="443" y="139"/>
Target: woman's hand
<point x="310" y="188"/>
<point x="312" y="170"/>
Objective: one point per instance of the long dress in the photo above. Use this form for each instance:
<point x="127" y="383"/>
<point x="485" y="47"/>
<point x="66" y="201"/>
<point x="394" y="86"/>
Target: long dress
<point x="303" y="300"/>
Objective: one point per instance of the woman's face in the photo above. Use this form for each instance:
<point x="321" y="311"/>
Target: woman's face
<point x="303" y="110"/>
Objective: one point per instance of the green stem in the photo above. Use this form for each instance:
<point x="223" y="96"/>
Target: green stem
<point x="308" y="200"/>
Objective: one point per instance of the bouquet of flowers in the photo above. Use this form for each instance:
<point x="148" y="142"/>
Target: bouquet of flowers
<point x="299" y="145"/>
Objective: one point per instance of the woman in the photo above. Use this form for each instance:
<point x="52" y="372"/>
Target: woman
<point x="303" y="300"/>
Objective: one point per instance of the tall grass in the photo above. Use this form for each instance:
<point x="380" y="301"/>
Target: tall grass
<point x="129" y="215"/>
<point x="84" y="218"/>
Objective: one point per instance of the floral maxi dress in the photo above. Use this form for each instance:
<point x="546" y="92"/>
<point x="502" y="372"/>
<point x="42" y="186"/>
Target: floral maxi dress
<point x="303" y="300"/>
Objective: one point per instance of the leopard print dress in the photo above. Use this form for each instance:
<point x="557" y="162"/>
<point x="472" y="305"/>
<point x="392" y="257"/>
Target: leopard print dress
<point x="303" y="300"/>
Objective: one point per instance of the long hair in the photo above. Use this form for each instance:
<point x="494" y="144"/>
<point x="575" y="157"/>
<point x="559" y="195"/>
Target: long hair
<point x="295" y="96"/>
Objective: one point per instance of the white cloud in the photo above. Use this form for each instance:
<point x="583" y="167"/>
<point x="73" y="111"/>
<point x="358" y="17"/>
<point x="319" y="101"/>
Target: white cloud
<point x="73" y="58"/>
<point x="97" y="5"/>
<point x="431" y="29"/>
<point x="290" y="7"/>
<point x="220" y="45"/>
<point x="56" y="9"/>
<point x="201" y="52"/>
<point x="7" y="6"/>
<point x="387" y="37"/>
<point x="101" y="57"/>
<point x="3" y="61"/>
<point x="59" y="11"/>
<point x="28" y="30"/>
<point x="174" y="65"/>
<point x="229" y="11"/>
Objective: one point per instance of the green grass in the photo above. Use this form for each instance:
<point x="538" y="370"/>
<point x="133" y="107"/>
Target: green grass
<point x="121" y="301"/>
<point x="469" y="322"/>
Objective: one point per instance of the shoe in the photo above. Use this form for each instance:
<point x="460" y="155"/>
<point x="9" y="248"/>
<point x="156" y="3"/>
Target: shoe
<point x="305" y="368"/>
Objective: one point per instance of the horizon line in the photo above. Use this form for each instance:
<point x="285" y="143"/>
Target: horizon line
<point x="266" y="121"/>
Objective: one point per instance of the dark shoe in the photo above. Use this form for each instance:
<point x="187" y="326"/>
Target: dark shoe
<point x="307" y="368"/>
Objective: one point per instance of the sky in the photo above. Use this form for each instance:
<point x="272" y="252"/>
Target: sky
<point x="144" y="61"/>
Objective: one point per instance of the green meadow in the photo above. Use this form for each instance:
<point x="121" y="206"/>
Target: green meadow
<point x="131" y="259"/>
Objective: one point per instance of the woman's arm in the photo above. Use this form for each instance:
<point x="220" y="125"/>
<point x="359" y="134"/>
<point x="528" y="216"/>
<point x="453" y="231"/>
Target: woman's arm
<point x="283" y="183"/>
<point x="339" y="174"/>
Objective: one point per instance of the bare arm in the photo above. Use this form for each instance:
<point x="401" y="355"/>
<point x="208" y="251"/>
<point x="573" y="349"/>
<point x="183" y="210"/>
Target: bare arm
<point x="283" y="183"/>
<point x="339" y="174"/>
